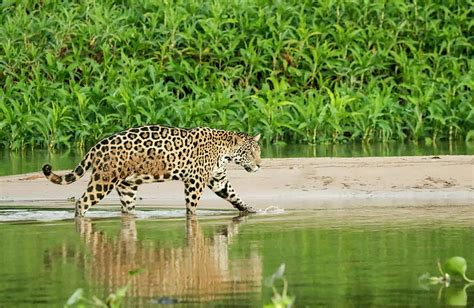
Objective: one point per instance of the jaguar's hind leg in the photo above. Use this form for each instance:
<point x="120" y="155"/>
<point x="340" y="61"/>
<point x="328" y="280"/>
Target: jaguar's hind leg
<point x="192" y="192"/>
<point x="97" y="189"/>
<point x="128" y="193"/>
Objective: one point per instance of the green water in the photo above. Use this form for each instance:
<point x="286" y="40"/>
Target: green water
<point x="334" y="258"/>
<point x="31" y="161"/>
<point x="367" y="150"/>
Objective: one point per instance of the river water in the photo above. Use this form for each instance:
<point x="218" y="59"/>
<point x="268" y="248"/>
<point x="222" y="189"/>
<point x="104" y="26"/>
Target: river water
<point x="362" y="257"/>
<point x="333" y="258"/>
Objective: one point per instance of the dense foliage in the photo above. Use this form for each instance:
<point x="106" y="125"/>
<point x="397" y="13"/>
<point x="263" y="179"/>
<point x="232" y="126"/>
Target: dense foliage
<point x="294" y="70"/>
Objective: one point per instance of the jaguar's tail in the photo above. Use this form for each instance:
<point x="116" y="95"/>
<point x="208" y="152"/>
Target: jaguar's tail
<point x="72" y="176"/>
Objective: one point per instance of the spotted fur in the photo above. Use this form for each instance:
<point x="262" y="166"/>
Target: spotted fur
<point x="197" y="156"/>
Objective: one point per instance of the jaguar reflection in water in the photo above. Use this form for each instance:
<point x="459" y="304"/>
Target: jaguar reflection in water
<point x="198" y="270"/>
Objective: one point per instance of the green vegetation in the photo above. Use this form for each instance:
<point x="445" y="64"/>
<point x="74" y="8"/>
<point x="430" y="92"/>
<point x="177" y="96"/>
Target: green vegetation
<point x="296" y="71"/>
<point x="457" y="267"/>
<point x="114" y="300"/>
<point x="454" y="269"/>
<point x="282" y="300"/>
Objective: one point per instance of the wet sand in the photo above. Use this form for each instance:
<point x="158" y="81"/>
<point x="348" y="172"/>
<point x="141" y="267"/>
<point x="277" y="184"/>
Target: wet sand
<point x="293" y="183"/>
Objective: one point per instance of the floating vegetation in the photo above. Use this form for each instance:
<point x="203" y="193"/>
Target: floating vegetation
<point x="113" y="300"/>
<point x="454" y="268"/>
<point x="296" y="71"/>
<point x="280" y="299"/>
<point x="457" y="267"/>
<point x="453" y="271"/>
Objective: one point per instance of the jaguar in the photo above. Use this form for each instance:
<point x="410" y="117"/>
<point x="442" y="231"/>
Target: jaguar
<point x="197" y="156"/>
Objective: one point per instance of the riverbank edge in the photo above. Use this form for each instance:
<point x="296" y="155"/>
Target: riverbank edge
<point x="290" y="183"/>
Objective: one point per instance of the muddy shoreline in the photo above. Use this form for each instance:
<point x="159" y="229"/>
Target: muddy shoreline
<point x="292" y="183"/>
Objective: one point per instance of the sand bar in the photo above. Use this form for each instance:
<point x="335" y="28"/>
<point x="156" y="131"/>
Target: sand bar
<point x="291" y="183"/>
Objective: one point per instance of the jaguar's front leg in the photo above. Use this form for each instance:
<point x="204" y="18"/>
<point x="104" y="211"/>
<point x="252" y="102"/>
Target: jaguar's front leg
<point x="221" y="186"/>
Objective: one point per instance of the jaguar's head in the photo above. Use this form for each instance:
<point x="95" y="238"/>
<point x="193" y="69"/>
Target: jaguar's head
<point x="247" y="153"/>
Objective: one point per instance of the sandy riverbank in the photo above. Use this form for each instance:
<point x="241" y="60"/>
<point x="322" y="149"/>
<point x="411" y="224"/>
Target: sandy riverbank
<point x="298" y="183"/>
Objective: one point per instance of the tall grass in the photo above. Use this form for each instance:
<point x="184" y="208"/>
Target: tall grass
<point x="296" y="71"/>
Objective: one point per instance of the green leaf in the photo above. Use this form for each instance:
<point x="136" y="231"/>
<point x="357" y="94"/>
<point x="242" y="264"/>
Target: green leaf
<point x="121" y="292"/>
<point x="280" y="271"/>
<point x="75" y="297"/>
<point x="470" y="136"/>
<point x="283" y="301"/>
<point x="98" y="302"/>
<point x="136" y="271"/>
<point x="457" y="267"/>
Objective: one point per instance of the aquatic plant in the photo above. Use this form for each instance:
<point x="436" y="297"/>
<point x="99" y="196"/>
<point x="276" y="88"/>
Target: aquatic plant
<point x="296" y="71"/>
<point x="113" y="300"/>
<point x="457" y="267"/>
<point x="280" y="300"/>
<point x="454" y="269"/>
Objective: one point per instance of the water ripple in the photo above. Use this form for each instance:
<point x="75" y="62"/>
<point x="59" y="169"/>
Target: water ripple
<point x="10" y="215"/>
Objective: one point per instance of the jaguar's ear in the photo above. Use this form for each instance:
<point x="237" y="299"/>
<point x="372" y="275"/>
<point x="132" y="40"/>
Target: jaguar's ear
<point x="256" y="138"/>
<point x="238" y="140"/>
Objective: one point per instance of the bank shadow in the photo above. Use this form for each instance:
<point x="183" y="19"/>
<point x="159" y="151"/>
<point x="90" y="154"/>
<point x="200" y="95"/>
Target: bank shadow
<point x="198" y="269"/>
